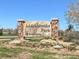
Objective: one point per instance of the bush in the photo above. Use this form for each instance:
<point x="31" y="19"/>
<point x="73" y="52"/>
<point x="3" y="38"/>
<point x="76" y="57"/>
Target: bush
<point x="71" y="36"/>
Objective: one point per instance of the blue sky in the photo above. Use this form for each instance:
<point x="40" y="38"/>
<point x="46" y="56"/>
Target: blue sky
<point x="31" y="10"/>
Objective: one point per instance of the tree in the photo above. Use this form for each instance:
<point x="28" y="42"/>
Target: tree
<point x="9" y="31"/>
<point x="70" y="27"/>
<point x="1" y="32"/>
<point x="72" y="14"/>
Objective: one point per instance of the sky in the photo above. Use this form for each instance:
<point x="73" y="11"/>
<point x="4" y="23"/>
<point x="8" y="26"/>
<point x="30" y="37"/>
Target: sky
<point x="33" y="10"/>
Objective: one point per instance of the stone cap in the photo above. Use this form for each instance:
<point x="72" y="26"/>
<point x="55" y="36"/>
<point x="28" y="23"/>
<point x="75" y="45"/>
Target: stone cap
<point x="55" y="19"/>
<point x="23" y="21"/>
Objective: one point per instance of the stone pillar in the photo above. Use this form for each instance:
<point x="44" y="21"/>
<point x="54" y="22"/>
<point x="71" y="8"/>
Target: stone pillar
<point x="54" y="28"/>
<point x="21" y="29"/>
<point x="21" y="33"/>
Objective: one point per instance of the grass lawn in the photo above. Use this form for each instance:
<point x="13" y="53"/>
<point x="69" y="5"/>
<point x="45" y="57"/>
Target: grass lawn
<point x="9" y="52"/>
<point x="13" y="52"/>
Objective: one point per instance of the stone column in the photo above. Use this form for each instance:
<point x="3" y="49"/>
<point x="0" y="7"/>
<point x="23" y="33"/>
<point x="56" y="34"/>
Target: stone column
<point x="54" y="28"/>
<point x="21" y="33"/>
<point x="21" y="29"/>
